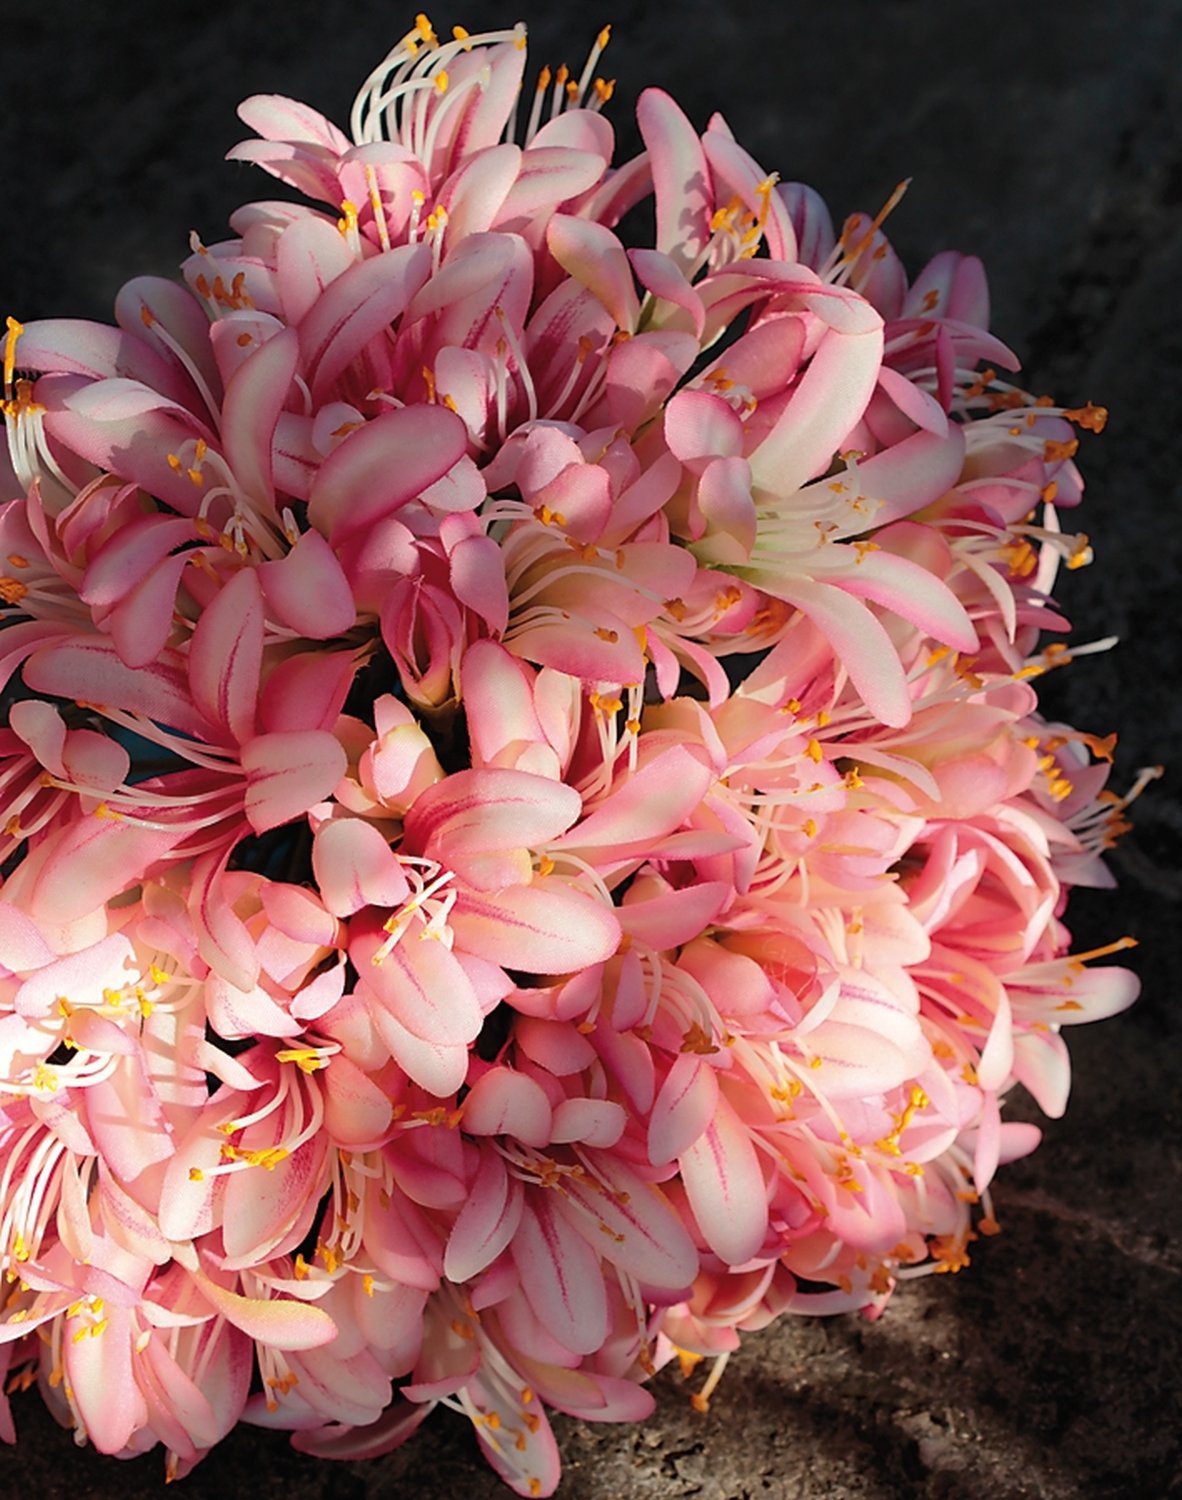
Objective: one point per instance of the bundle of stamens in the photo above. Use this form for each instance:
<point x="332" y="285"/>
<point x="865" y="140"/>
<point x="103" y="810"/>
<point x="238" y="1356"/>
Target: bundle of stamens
<point x="530" y="848"/>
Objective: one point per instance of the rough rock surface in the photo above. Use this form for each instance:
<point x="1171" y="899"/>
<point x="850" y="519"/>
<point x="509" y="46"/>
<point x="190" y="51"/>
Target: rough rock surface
<point x="1047" y="139"/>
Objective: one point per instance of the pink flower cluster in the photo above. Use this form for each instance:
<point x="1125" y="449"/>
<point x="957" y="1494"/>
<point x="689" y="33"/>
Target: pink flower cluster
<point x="530" y="848"/>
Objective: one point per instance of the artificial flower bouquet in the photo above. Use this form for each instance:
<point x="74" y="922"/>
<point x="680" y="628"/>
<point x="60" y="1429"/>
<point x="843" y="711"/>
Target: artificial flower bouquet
<point x="530" y="848"/>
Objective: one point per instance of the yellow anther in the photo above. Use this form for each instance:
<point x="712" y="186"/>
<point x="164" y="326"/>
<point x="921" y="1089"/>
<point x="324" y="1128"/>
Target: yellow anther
<point x="307" y="1059"/>
<point x="15" y="330"/>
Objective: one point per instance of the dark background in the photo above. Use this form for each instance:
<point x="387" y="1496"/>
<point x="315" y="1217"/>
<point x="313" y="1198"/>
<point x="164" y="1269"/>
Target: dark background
<point x="1049" y="142"/>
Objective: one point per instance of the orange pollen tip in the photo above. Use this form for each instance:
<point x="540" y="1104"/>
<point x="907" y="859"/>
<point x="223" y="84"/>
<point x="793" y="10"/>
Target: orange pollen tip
<point x="1090" y="417"/>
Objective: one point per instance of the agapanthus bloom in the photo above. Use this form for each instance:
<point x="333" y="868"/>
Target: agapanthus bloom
<point x="530" y="848"/>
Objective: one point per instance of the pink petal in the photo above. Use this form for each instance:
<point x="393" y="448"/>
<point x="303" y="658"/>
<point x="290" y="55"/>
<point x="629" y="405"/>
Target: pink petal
<point x="548" y="176"/>
<point x="309" y="256"/>
<point x="594" y="257"/>
<point x="307" y="590"/>
<point x="642" y="1235"/>
<point x="103" y="1384"/>
<point x="356" y="307"/>
<point x="828" y="400"/>
<point x="287" y="773"/>
<point x="677" y="916"/>
<point x="21" y="943"/>
<point x="504" y="1102"/>
<point x="591" y="1122"/>
<point x="702" y="426"/>
<point x="141" y="623"/>
<point x="277" y="118"/>
<point x="129" y="554"/>
<point x="488" y="809"/>
<point x="724" y="1183"/>
<point x="354" y="867"/>
<point x="277" y="1323"/>
<point x="560" y="1276"/>
<point x="684" y="1107"/>
<point x="91" y="669"/>
<point x="306" y="691"/>
<point x="383" y="465"/>
<point x="681" y="178"/>
<point x="487" y="1222"/>
<point x="421" y="983"/>
<point x="647" y="807"/>
<point x="858" y="639"/>
<point x="226" y="653"/>
<point x="255" y="395"/>
<point x="542" y="928"/>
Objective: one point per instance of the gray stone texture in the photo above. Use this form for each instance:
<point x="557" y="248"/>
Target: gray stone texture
<point x="1048" y="139"/>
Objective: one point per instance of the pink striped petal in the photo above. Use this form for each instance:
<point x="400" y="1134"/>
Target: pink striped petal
<point x="647" y="807"/>
<point x="642" y="1234"/>
<point x="356" y="307"/>
<point x="354" y="867"/>
<point x="548" y="176"/>
<point x="542" y="928"/>
<point x="226" y="654"/>
<point x="724" y="1183"/>
<point x="309" y="256"/>
<point x="277" y="118"/>
<point x="683" y="1108"/>
<point x="421" y="983"/>
<point x="504" y="1102"/>
<point x="858" y="639"/>
<point x="129" y="554"/>
<point x="561" y="1276"/>
<point x="91" y="669"/>
<point x="287" y="773"/>
<point x="487" y="1222"/>
<point x="255" y="395"/>
<point x="479" y="810"/>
